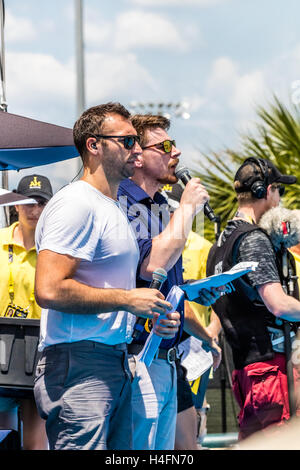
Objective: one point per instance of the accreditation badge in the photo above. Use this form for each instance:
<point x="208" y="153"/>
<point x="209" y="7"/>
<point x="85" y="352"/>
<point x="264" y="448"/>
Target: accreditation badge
<point x="148" y="325"/>
<point x="14" y="311"/>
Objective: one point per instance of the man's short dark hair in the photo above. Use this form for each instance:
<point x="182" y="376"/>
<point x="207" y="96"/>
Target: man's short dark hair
<point x="144" y="122"/>
<point x="91" y="121"/>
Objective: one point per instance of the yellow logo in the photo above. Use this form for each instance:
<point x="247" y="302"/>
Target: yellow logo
<point x="148" y="325"/>
<point x="35" y="183"/>
<point x="168" y="188"/>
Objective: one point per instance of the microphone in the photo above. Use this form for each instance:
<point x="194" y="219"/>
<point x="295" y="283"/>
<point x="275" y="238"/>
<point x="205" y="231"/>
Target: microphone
<point x="158" y="278"/>
<point x="183" y="174"/>
<point x="282" y="225"/>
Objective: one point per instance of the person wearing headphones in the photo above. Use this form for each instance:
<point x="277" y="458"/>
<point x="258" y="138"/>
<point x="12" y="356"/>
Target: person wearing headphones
<point x="258" y="303"/>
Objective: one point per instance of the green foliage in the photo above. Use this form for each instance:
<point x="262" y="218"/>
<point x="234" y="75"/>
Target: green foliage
<point x="276" y="137"/>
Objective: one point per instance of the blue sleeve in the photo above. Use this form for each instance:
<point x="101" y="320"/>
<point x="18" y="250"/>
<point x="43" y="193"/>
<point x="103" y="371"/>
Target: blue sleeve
<point x="145" y="247"/>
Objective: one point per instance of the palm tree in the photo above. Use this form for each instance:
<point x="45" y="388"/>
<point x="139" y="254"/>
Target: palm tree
<point x="277" y="138"/>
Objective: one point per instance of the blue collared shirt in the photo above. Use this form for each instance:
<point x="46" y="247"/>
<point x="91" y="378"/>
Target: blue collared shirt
<point x="148" y="218"/>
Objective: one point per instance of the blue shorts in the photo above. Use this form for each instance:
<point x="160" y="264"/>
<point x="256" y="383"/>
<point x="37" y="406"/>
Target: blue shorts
<point x="83" y="390"/>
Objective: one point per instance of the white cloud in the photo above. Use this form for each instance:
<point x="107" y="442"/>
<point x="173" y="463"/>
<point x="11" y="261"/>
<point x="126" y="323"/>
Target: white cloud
<point x="224" y="70"/>
<point x="41" y="83"/>
<point x="97" y="32"/>
<point x="233" y="95"/>
<point x="249" y="91"/>
<point x="110" y="75"/>
<point x="240" y="91"/>
<point x="18" y="29"/>
<point x="34" y="76"/>
<point x="197" y="3"/>
<point x="137" y="29"/>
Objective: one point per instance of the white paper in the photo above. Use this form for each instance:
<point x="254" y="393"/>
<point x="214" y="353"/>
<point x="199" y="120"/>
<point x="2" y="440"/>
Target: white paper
<point x="153" y="341"/>
<point x="217" y="280"/>
<point x="194" y="358"/>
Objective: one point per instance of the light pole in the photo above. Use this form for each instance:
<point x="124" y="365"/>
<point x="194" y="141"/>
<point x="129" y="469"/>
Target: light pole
<point x="79" y="38"/>
<point x="80" y="68"/>
<point x="167" y="109"/>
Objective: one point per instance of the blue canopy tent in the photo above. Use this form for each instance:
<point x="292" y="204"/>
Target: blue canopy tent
<point x="26" y="143"/>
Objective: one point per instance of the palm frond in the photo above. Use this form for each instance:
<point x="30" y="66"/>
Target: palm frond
<point x="276" y="137"/>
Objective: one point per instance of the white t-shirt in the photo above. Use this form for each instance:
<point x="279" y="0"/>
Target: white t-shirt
<point x="81" y="222"/>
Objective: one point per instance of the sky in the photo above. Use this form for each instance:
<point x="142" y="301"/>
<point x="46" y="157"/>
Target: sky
<point x="221" y="58"/>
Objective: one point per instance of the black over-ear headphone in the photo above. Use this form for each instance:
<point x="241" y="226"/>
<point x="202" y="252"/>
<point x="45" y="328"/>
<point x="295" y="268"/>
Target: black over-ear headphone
<point x="259" y="187"/>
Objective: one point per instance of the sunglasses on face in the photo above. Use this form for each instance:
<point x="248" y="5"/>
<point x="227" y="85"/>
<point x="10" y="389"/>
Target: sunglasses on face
<point x="166" y="145"/>
<point x="281" y="189"/>
<point x="127" y="140"/>
<point x="40" y="203"/>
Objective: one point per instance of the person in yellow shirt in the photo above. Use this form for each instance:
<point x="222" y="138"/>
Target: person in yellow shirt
<point x="194" y="257"/>
<point x="295" y="250"/>
<point x="17" y="274"/>
<point x="192" y="407"/>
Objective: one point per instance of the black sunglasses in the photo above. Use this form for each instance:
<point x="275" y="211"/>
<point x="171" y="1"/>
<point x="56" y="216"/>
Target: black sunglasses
<point x="166" y="145"/>
<point x="127" y="140"/>
<point x="40" y="203"/>
<point x="281" y="189"/>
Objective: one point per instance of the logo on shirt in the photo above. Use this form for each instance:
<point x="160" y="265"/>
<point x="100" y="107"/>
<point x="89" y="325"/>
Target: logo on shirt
<point x="167" y="187"/>
<point x="35" y="183"/>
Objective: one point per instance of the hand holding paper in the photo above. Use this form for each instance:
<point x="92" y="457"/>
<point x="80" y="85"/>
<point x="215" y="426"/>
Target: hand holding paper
<point x="166" y="326"/>
<point x="153" y="341"/>
<point x="193" y="289"/>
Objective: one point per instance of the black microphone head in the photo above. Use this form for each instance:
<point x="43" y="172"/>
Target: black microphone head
<point x="182" y="172"/>
<point x="159" y="274"/>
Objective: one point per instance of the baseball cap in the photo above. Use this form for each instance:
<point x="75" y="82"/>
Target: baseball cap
<point x="35" y="185"/>
<point x="256" y="169"/>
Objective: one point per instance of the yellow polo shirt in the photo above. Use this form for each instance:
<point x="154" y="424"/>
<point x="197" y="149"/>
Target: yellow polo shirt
<point x="297" y="263"/>
<point x="194" y="259"/>
<point x="22" y="269"/>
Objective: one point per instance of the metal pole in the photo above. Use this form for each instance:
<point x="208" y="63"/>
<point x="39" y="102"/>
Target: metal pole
<point x="80" y="76"/>
<point x="80" y="57"/>
<point x="3" y="103"/>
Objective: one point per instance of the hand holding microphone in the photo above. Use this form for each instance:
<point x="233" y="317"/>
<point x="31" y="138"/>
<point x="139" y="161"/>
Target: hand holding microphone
<point x="183" y="174"/>
<point x="158" y="278"/>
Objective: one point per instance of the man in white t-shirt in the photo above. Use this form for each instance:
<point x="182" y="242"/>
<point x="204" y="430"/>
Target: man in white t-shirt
<point x="85" y="283"/>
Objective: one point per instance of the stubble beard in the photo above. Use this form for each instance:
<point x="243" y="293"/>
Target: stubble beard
<point x="169" y="177"/>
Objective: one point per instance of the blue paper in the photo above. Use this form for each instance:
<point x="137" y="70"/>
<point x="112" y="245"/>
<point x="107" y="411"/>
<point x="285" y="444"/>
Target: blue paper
<point x="217" y="280"/>
<point x="153" y="341"/>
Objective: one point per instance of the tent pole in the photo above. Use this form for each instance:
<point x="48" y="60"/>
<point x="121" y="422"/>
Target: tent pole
<point x="3" y="104"/>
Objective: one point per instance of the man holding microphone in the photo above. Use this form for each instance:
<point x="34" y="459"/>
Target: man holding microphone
<point x="85" y="283"/>
<point x="161" y="240"/>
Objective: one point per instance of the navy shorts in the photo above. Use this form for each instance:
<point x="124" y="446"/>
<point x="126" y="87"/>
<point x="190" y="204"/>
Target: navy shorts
<point x="184" y="392"/>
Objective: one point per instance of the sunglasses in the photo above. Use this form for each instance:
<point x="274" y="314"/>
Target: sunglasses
<point x="40" y="203"/>
<point x="166" y="145"/>
<point x="127" y="140"/>
<point x="281" y="189"/>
